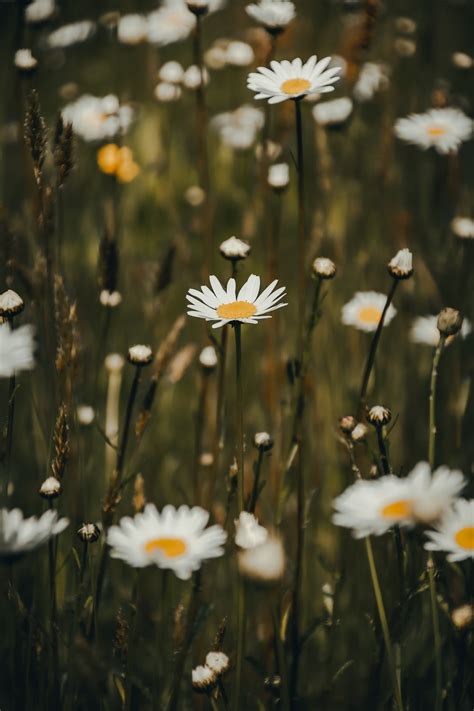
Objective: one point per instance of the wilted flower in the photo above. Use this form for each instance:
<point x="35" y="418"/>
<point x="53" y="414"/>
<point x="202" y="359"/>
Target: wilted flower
<point x="424" y="330"/>
<point x="225" y="305"/>
<point x="449" y="322"/>
<point x="441" y="129"/>
<point x="293" y="80"/>
<point x="248" y="532"/>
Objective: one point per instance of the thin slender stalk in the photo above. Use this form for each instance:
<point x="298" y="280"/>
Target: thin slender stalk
<point x="373" y="349"/>
<point x="298" y="580"/>
<point x="10" y="421"/>
<point x="301" y="219"/>
<point x="55" y="699"/>
<point x="131" y="639"/>
<point x="281" y="662"/>
<point x="221" y="382"/>
<point x="239" y="416"/>
<point x="199" y="427"/>
<point x="256" y="483"/>
<point x="431" y="565"/>
<point x="239" y="662"/>
<point x="382" y="450"/>
<point x="384" y="624"/>
<point x="213" y="702"/>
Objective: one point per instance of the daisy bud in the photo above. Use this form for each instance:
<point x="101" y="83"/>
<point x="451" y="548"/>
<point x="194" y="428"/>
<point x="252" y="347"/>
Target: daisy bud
<point x="198" y="7"/>
<point x="11" y="304"/>
<point x="359" y="432"/>
<point x="88" y="532"/>
<point x="110" y="298"/>
<point x="208" y="358"/>
<point x="449" y="322"/>
<point x="324" y="268"/>
<point x="248" y="532"/>
<point x="218" y="662"/>
<point x="85" y="415"/>
<point x="24" y="61"/>
<point x="279" y="176"/>
<point x="401" y="266"/>
<point x="203" y="679"/>
<point x="263" y="441"/>
<point x="379" y="416"/>
<point x="234" y="249"/>
<point x="463" y="616"/>
<point x="347" y="424"/>
<point x="50" y="488"/>
<point x="140" y="355"/>
<point x="265" y="563"/>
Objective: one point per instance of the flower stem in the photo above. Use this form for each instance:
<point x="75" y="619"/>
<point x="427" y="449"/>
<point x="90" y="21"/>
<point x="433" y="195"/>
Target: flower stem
<point x="373" y="349"/>
<point x="126" y="427"/>
<point x="256" y="483"/>
<point x="239" y="416"/>
<point x="241" y="620"/>
<point x="220" y="404"/>
<point x="301" y="218"/>
<point x="55" y="698"/>
<point x="432" y="404"/>
<point x="199" y="426"/>
<point x="384" y="624"/>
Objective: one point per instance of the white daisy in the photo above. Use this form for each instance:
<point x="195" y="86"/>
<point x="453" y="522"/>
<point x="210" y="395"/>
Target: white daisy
<point x="166" y="92"/>
<point x="239" y="54"/>
<point x="175" y="539"/>
<point x="39" y="11"/>
<point x="248" y="532"/>
<point x="292" y="80"/>
<point x="279" y="176"/>
<point x="372" y="78"/>
<point x="433" y="493"/>
<point x="20" y="535"/>
<point x="424" y="330"/>
<point x="194" y="76"/>
<point x="365" y="309"/>
<point x="455" y="532"/>
<point x="335" y="112"/>
<point x="171" y="72"/>
<point x="442" y="129"/>
<point x="463" y="227"/>
<point x="274" y="15"/>
<point x="95" y="118"/>
<point x="264" y="563"/>
<point x="71" y="34"/>
<point x="225" y="305"/>
<point x="239" y="129"/>
<point x="16" y="350"/>
<point x="132" y="29"/>
<point x="373" y="507"/>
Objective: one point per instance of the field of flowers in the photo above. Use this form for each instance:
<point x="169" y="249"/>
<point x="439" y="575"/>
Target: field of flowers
<point x="236" y="355"/>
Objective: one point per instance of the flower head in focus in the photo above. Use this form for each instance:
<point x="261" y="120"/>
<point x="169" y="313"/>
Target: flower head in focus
<point x="293" y="80"/>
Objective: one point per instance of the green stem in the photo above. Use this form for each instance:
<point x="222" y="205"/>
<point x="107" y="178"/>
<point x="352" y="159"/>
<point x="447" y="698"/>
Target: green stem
<point x="301" y="219"/>
<point x="256" y="483"/>
<point x="239" y="415"/>
<point x="432" y="405"/>
<point x="373" y="349"/>
<point x="241" y="628"/>
<point x="126" y="428"/>
<point x="281" y="662"/>
<point x="221" y="382"/>
<point x="131" y="638"/>
<point x="199" y="426"/>
<point x="384" y="624"/>
<point x="55" y="691"/>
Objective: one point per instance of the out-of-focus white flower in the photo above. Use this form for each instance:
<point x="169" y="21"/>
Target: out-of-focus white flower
<point x="71" y="34"/>
<point x="194" y="195"/>
<point x="248" y="532"/>
<point x="218" y="662"/>
<point x="424" y="330"/>
<point x="335" y="112"/>
<point x="373" y="77"/>
<point x="203" y="678"/>
<point x="461" y="60"/>
<point x="404" y="47"/>
<point x="238" y="129"/>
<point x="455" y="533"/>
<point x="24" y="60"/>
<point x="132" y="29"/>
<point x="171" y="23"/>
<point x="216" y="57"/>
<point x="95" y="118"/>
<point x="405" y="25"/>
<point x="166" y="92"/>
<point x="16" y="350"/>
<point x="85" y="415"/>
<point x="226" y="306"/>
<point x="112" y="299"/>
<point x="274" y="15"/>
<point x="239" y="54"/>
<point x="293" y="80"/>
<point x="171" y="72"/>
<point x="365" y="309"/>
<point x="279" y="176"/>
<point x="441" y="129"/>
<point x="208" y="357"/>
<point x="264" y="563"/>
<point x="194" y="77"/>
<point x="175" y="539"/>
<point x="463" y="227"/>
<point x="20" y="535"/>
<point x="39" y="11"/>
<point x="433" y="493"/>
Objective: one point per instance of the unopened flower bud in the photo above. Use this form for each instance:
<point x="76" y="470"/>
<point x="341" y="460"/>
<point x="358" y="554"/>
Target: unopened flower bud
<point x="218" y="662"/>
<point x="140" y="355"/>
<point x="203" y="679"/>
<point x="263" y="441"/>
<point x="449" y="322"/>
<point x="359" y="432"/>
<point x="401" y="266"/>
<point x="50" y="488"/>
<point x="88" y="532"/>
<point x="85" y="415"/>
<point x="114" y="362"/>
<point x="208" y="358"/>
<point x="379" y="416"/>
<point x="347" y="424"/>
<point x="324" y="268"/>
<point x="234" y="249"/>
<point x="11" y="304"/>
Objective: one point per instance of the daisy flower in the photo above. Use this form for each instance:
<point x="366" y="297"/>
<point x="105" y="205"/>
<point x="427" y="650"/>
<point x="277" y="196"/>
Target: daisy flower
<point x="264" y="563"/>
<point x="373" y="507"/>
<point x="16" y="350"/>
<point x="20" y="535"/>
<point x="170" y="23"/>
<point x="175" y="539"/>
<point x="334" y="112"/>
<point x="433" y="493"/>
<point x="238" y="129"/>
<point x="455" y="532"/>
<point x="96" y="118"/>
<point x="225" y="305"/>
<point x="273" y="15"/>
<point x="365" y="309"/>
<point x="71" y="34"/>
<point x="424" y="330"/>
<point x="442" y="129"/>
<point x="293" y="80"/>
<point x="373" y="77"/>
<point x="248" y="532"/>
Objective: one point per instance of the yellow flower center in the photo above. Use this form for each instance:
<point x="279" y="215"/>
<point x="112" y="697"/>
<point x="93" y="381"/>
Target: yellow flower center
<point x="236" y="310"/>
<point x="369" y="314"/>
<point x="397" y="510"/>
<point x="170" y="547"/>
<point x="436" y="131"/>
<point x="465" y="538"/>
<point x="295" y="86"/>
